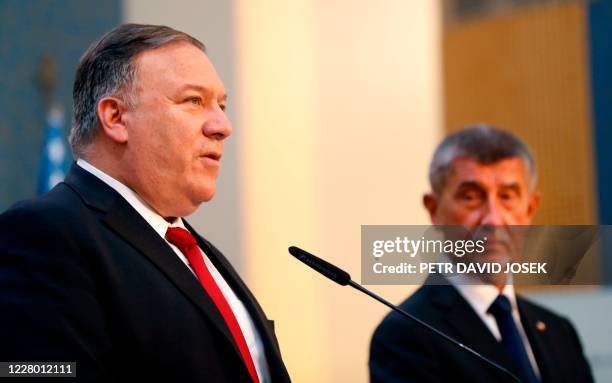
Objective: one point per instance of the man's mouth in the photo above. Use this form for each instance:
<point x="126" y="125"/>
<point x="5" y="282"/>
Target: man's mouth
<point x="215" y="156"/>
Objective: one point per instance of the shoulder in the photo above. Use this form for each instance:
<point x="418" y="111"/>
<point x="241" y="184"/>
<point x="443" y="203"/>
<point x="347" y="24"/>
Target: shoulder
<point x="420" y="305"/>
<point x="61" y="200"/>
<point x="58" y="213"/>
<point x="533" y="309"/>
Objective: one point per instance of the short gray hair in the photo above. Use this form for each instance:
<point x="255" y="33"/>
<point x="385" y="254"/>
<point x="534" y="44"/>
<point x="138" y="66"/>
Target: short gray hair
<point x="484" y="143"/>
<point x="107" y="68"/>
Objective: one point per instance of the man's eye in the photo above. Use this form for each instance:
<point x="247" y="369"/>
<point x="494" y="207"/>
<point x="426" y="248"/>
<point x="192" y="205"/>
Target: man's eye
<point x="195" y="100"/>
<point x="470" y="196"/>
<point x="508" y="196"/>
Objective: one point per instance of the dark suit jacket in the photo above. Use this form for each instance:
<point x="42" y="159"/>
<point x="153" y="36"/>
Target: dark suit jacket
<point x="83" y="277"/>
<point x="402" y="351"/>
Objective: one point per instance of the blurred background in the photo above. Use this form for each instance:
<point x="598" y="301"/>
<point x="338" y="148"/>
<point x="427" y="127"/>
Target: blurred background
<point x="337" y="106"/>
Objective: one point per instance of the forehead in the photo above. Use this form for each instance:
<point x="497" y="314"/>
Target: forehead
<point x="174" y="65"/>
<point x="504" y="172"/>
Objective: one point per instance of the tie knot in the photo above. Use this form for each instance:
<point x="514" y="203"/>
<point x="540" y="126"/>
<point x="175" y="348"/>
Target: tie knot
<point x="180" y="238"/>
<point x="501" y="306"/>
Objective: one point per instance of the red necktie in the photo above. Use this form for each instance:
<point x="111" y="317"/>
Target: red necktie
<point x="183" y="239"/>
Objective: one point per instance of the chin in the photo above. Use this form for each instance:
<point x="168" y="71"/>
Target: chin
<point x="205" y="194"/>
<point x="496" y="257"/>
<point x="187" y="208"/>
<point x="186" y="204"/>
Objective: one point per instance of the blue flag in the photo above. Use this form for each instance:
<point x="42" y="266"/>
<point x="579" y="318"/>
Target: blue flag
<point x="53" y="164"/>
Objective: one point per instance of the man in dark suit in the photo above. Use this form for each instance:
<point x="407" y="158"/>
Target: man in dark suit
<point x="482" y="178"/>
<point x="102" y="270"/>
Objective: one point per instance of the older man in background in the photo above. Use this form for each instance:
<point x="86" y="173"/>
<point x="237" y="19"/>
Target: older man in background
<point x="482" y="178"/>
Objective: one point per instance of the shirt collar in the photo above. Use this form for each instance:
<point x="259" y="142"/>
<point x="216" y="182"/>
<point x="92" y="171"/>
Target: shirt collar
<point x="157" y="222"/>
<point x="478" y="294"/>
<point x="481" y="296"/>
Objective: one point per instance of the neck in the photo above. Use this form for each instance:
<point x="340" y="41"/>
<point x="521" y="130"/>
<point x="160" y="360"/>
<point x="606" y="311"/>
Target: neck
<point x="107" y="165"/>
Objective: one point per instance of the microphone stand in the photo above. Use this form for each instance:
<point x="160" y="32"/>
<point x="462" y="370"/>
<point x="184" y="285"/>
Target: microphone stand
<point x="343" y="278"/>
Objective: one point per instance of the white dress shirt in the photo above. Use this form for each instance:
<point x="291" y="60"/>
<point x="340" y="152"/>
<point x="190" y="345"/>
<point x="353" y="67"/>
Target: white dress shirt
<point x="160" y="225"/>
<point x="481" y="296"/>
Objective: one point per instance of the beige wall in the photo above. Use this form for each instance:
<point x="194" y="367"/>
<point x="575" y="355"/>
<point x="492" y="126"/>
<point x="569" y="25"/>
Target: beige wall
<point x="336" y="108"/>
<point x="340" y="111"/>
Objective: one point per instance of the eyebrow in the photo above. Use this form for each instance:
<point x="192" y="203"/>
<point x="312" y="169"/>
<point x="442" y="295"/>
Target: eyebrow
<point x="470" y="184"/>
<point x="474" y="184"/>
<point x="200" y="89"/>
<point x="513" y="186"/>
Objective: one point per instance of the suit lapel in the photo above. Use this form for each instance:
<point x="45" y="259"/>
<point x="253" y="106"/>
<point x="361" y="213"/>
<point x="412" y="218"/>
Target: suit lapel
<point x="127" y="223"/>
<point x="541" y="344"/>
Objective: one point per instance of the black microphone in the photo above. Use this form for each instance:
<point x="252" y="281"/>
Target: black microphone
<point x="343" y="278"/>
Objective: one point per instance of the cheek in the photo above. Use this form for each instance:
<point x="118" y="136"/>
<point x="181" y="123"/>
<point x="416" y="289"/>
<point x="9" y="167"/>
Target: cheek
<point x="450" y="214"/>
<point x="519" y="214"/>
<point x="148" y="133"/>
<point x="520" y="219"/>
<point x="169" y="143"/>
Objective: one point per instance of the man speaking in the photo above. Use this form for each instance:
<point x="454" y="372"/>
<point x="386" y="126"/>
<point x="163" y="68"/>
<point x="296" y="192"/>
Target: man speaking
<point x="102" y="270"/>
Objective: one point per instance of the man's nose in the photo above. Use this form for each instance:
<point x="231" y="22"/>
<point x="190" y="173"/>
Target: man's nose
<point x="218" y="125"/>
<point x="492" y="214"/>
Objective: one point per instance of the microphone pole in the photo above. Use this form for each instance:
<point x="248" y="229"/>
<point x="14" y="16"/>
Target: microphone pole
<point x="343" y="278"/>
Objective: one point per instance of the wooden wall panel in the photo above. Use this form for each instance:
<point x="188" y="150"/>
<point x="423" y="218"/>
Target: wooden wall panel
<point x="526" y="70"/>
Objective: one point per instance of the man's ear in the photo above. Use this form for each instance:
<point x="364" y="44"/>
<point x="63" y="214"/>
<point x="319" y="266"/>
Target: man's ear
<point x="430" y="201"/>
<point x="110" y="113"/>
<point x="533" y="204"/>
